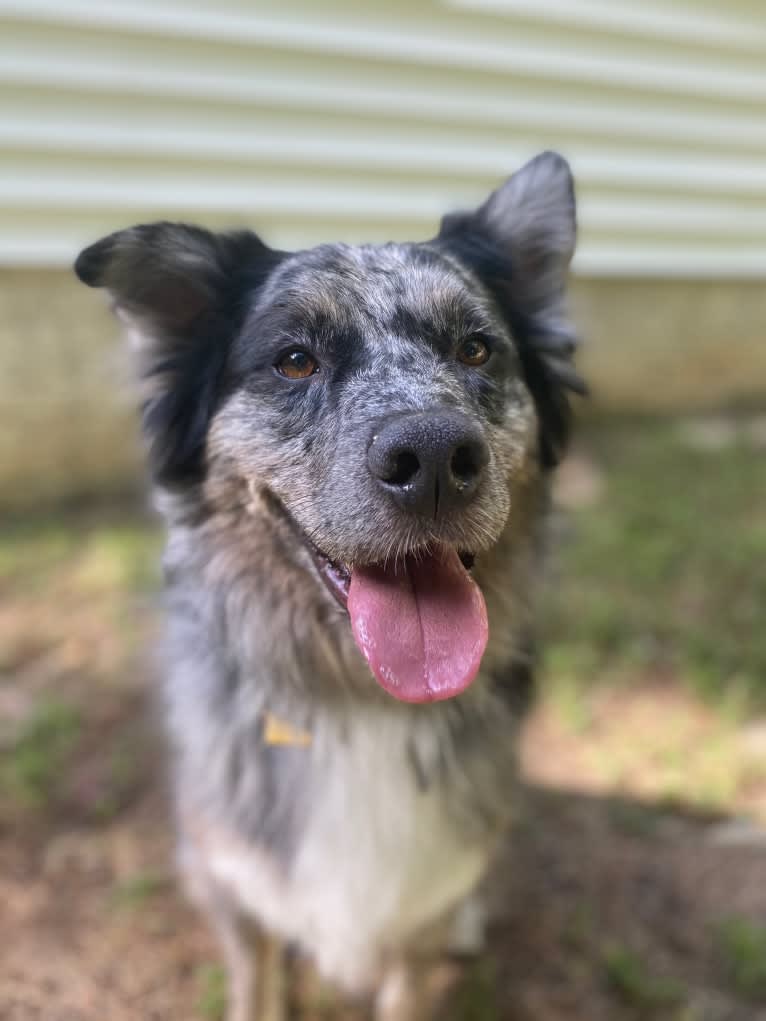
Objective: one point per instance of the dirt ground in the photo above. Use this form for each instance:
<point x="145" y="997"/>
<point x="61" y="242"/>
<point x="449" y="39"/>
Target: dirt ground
<point x="610" y="907"/>
<point x="633" y="887"/>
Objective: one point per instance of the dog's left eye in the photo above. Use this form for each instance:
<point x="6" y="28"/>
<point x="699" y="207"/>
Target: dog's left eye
<point x="297" y="364"/>
<point x="473" y="351"/>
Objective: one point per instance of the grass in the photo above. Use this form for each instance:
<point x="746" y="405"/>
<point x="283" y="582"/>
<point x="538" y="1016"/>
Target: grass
<point x="103" y="554"/>
<point x="742" y="949"/>
<point x="136" y="891"/>
<point x="122" y="768"/>
<point x="632" y="981"/>
<point x="633" y="818"/>
<point x="212" y="997"/>
<point x="70" y="587"/>
<point x="665" y="569"/>
<point x="474" y="998"/>
<point x="32" y="765"/>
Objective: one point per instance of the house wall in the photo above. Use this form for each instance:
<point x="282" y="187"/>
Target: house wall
<point x="360" y="121"/>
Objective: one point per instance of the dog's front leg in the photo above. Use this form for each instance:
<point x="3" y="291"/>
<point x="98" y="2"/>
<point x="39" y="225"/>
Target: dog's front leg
<point x="414" y="987"/>
<point x="270" y="993"/>
<point x="399" y="993"/>
<point x="254" y="961"/>
<point x="413" y="990"/>
<point x="237" y="951"/>
<point x="254" y="965"/>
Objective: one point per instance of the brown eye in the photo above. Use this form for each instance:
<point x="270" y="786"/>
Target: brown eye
<point x="473" y="351"/>
<point x="297" y="364"/>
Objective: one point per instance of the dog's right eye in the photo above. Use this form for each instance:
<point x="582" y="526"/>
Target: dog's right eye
<point x="297" y="364"/>
<point x="474" y="351"/>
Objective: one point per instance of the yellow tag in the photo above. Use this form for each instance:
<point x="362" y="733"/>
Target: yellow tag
<point x="278" y="732"/>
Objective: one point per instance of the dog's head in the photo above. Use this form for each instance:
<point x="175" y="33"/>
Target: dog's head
<point x="393" y="400"/>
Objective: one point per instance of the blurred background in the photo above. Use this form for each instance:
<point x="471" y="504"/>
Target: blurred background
<point x="637" y="887"/>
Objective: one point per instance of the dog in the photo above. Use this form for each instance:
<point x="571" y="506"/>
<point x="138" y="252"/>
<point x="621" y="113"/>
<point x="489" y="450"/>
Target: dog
<point x="352" y="448"/>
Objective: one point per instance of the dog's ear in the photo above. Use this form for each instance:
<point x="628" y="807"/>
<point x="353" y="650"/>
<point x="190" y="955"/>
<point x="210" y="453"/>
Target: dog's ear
<point x="520" y="243"/>
<point x="182" y="292"/>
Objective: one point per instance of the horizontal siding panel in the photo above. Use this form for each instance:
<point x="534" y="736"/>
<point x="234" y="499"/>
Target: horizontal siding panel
<point x="652" y="261"/>
<point x="683" y="25"/>
<point x="310" y="145"/>
<point x="362" y="125"/>
<point x="351" y="209"/>
<point x="93" y="80"/>
<point x="103" y="124"/>
<point x="354" y="198"/>
<point x="328" y="200"/>
<point x="416" y="43"/>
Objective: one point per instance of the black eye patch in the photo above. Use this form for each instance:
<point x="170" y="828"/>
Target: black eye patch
<point x="337" y="347"/>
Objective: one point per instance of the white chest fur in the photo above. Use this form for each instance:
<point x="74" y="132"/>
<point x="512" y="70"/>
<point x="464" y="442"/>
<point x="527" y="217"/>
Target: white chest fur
<point x="380" y="856"/>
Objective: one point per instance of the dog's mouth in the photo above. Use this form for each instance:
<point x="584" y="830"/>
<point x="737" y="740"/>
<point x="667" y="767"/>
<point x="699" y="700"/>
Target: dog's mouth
<point x="337" y="577"/>
<point x="421" y="622"/>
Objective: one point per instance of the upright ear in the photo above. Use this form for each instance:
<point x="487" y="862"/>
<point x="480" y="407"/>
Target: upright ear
<point x="183" y="293"/>
<point x="520" y="243"/>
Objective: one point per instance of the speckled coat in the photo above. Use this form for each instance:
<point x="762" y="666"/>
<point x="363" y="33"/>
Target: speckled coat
<point x="359" y="843"/>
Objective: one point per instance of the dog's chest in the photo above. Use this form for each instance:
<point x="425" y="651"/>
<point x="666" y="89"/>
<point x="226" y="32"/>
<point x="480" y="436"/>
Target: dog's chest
<point x="381" y="853"/>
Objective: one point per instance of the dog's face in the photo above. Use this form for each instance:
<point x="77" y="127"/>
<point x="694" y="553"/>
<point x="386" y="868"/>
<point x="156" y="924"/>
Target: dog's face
<point x="379" y="395"/>
<point x="393" y="401"/>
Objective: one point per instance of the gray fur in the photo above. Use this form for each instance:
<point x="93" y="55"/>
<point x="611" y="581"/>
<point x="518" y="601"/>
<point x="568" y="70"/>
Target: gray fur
<point x="354" y="846"/>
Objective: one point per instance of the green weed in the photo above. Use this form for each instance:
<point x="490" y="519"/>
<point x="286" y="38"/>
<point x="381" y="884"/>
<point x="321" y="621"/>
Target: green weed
<point x="33" y="764"/>
<point x="474" y="998"/>
<point x="742" y="946"/>
<point x="212" y="998"/>
<point x="631" y="980"/>
<point x="134" y="892"/>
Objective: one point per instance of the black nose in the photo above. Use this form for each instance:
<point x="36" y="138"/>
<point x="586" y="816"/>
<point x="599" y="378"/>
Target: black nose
<point x="430" y="462"/>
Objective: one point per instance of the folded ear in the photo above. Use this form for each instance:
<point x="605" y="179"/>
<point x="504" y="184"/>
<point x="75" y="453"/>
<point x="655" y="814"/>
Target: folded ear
<point x="519" y="243"/>
<point x="182" y="292"/>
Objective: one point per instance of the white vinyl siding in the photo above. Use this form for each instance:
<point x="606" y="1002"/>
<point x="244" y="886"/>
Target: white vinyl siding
<point x="318" y="121"/>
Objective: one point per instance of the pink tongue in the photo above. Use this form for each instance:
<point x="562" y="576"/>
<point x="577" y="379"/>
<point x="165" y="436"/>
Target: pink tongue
<point x="422" y="628"/>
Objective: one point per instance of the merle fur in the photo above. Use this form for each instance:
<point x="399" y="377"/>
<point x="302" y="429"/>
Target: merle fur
<point x="248" y="465"/>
